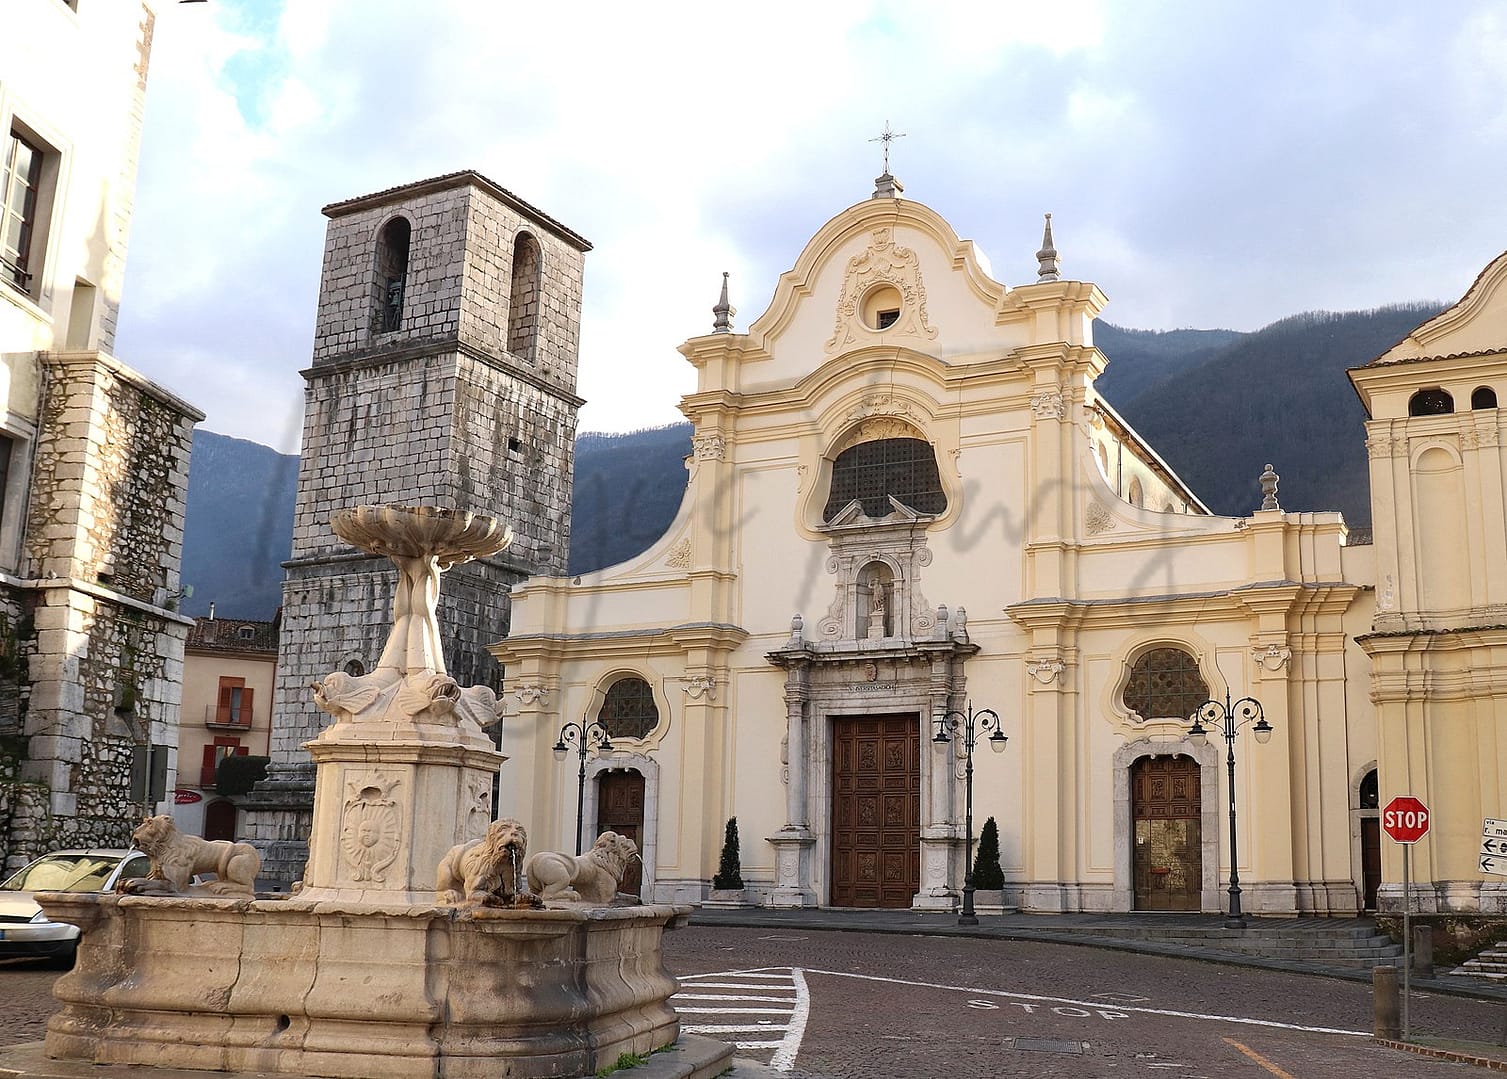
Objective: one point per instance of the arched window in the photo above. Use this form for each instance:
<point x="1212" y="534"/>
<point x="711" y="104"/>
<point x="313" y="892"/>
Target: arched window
<point x="1137" y="495"/>
<point x="523" y="301"/>
<point x="1434" y="402"/>
<point x="1165" y="683"/>
<point x="628" y="710"/>
<point x="1483" y="397"/>
<point x="1368" y="795"/>
<point x="872" y="472"/>
<point x="392" y="275"/>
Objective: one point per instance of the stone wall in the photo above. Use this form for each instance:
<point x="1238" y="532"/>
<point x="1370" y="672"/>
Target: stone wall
<point x="101" y="552"/>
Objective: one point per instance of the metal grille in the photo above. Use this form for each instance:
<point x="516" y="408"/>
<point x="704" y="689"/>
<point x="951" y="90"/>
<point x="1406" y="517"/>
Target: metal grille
<point x="628" y="711"/>
<point x="1165" y="684"/>
<point x="872" y="471"/>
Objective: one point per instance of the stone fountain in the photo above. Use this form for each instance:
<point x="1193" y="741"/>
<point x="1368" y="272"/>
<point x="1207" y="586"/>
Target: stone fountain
<point x="362" y="973"/>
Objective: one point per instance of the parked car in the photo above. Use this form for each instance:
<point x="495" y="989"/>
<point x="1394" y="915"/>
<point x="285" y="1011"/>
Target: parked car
<point x="25" y="928"/>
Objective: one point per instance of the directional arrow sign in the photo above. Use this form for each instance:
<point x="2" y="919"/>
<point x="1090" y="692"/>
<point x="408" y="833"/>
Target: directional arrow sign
<point x="1494" y="828"/>
<point x="1495" y="866"/>
<point x="1492" y="845"/>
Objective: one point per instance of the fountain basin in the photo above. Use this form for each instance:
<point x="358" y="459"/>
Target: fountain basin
<point x="361" y="990"/>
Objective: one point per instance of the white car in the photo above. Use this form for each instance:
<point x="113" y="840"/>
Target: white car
<point x="26" y="930"/>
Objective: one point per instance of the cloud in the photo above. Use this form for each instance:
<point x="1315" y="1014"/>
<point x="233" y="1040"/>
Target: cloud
<point x="1206" y="165"/>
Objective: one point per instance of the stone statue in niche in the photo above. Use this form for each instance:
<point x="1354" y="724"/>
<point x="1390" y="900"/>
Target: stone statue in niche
<point x="591" y="878"/>
<point x="487" y="872"/>
<point x="876" y="609"/>
<point x="176" y="858"/>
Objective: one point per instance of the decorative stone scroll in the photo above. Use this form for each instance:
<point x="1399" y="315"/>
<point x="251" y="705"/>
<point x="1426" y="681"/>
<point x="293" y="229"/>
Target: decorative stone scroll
<point x="885" y="262"/>
<point x="1045" y="671"/>
<point x="709" y="447"/>
<point x="680" y="555"/>
<point x="699" y="686"/>
<point x="1049" y="405"/>
<point x="1271" y="657"/>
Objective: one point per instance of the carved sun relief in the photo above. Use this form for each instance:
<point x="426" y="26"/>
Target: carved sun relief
<point x="884" y="263"/>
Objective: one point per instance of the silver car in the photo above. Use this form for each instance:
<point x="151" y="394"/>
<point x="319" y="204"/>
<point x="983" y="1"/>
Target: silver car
<point x="26" y="930"/>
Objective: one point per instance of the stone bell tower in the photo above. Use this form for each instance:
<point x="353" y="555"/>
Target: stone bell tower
<point x="444" y="374"/>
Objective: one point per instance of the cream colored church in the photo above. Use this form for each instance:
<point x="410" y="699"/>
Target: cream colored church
<point x="907" y="500"/>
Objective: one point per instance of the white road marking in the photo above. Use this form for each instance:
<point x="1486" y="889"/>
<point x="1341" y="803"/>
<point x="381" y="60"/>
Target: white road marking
<point x="736" y="1011"/>
<point x="791" y="1030"/>
<point x="784" y="1057"/>
<point x="1068" y="1001"/>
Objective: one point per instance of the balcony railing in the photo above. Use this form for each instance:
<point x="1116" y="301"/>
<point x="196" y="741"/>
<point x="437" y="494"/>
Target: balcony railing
<point x="230" y="721"/>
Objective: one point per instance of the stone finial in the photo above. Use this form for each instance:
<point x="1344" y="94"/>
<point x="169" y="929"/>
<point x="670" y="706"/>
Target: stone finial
<point x="797" y="630"/>
<point x="886" y="187"/>
<point x="940" y="632"/>
<point x="1269" y="489"/>
<point x="1048" y="267"/>
<point x="724" y="311"/>
<point x="960" y="625"/>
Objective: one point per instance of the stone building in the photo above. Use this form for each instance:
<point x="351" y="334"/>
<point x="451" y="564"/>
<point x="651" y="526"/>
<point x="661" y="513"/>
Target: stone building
<point x="444" y="373"/>
<point x="229" y="665"/>
<point x="93" y="457"/>
<point x="908" y="501"/>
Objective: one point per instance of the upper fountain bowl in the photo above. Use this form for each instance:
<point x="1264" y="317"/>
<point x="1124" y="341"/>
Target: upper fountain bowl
<point x="451" y="536"/>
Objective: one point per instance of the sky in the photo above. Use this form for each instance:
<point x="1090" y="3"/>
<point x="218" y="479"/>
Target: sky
<point x="1210" y="165"/>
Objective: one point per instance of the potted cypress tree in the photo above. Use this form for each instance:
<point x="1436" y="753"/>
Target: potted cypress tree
<point x="988" y="877"/>
<point x="728" y="889"/>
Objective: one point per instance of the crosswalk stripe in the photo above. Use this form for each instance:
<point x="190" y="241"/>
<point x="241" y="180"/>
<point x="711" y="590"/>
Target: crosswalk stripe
<point x="736" y="1011"/>
<point x="730" y="996"/>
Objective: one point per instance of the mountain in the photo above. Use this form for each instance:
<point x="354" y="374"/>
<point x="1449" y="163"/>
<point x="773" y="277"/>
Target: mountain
<point x="1216" y="404"/>
<point x="1279" y="395"/>
<point x="627" y="489"/>
<point x="239" y="526"/>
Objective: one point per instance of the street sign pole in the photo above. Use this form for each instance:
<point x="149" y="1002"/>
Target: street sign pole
<point x="1407" y="935"/>
<point x="1405" y="819"/>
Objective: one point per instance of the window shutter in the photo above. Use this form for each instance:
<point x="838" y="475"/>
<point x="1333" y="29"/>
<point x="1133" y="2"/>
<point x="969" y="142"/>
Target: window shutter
<point x="245" y="707"/>
<point x="222" y="713"/>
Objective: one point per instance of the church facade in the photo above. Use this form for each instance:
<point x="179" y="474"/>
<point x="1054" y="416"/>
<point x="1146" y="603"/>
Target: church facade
<point x="907" y="505"/>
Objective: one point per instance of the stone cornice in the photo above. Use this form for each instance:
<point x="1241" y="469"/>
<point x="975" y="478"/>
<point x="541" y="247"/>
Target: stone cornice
<point x="450" y="343"/>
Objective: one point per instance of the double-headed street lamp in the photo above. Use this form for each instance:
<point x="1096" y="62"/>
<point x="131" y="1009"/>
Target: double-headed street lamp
<point x="584" y="736"/>
<point x="1228" y="718"/>
<point x="969" y="725"/>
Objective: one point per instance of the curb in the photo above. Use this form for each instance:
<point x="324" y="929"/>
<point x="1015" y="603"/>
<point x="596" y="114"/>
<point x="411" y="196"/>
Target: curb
<point x="1492" y="1063"/>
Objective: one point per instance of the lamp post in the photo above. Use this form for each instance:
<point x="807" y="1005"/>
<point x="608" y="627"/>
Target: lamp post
<point x="583" y="736"/>
<point x="1228" y="718"/>
<point x="969" y="725"/>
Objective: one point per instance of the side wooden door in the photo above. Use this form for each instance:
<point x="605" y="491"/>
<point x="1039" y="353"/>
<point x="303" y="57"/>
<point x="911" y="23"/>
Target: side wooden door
<point x="620" y="809"/>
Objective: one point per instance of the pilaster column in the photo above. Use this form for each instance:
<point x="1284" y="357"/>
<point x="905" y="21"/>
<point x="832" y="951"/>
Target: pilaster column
<point x="795" y="844"/>
<point x="940" y="835"/>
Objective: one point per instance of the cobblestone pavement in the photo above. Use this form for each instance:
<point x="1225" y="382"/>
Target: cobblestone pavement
<point x="25" y="999"/>
<point x="911" y="1007"/>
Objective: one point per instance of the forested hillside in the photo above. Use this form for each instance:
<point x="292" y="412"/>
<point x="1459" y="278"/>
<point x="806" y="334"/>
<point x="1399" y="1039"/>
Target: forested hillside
<point x="1216" y="404"/>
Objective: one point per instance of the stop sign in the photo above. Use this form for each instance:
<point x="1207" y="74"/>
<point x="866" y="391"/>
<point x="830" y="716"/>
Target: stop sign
<point x="1405" y="819"/>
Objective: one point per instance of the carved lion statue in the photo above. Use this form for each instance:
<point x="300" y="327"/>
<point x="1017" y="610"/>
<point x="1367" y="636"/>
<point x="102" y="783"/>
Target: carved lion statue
<point x="485" y="872"/>
<point x="592" y="877"/>
<point x="177" y="857"/>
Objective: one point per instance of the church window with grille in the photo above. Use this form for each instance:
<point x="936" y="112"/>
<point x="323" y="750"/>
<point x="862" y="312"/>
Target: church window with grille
<point x="1165" y="683"/>
<point x="1434" y="402"/>
<point x="1483" y="397"/>
<point x="628" y="710"/>
<point x="873" y="472"/>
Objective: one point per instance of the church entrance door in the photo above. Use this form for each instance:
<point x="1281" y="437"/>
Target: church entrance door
<point x="620" y="809"/>
<point x="1166" y="861"/>
<point x="876" y="810"/>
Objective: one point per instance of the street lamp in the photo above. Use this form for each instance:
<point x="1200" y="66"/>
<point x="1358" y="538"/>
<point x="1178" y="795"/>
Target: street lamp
<point x="970" y="724"/>
<point x="583" y="736"/>
<point x="1228" y="718"/>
